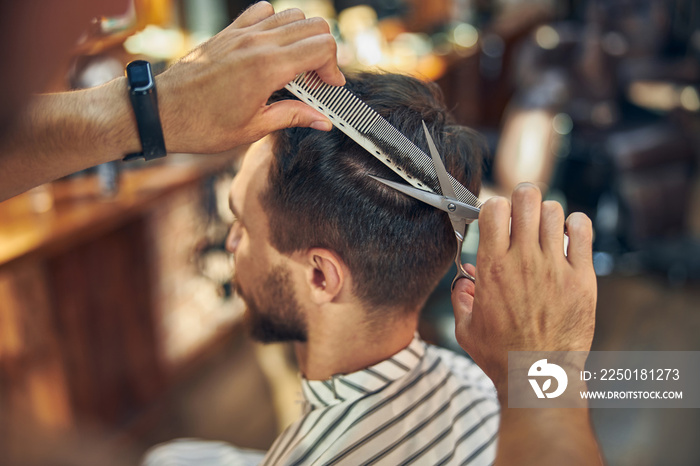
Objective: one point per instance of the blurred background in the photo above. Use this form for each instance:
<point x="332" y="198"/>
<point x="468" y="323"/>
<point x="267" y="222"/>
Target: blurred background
<point x="119" y="330"/>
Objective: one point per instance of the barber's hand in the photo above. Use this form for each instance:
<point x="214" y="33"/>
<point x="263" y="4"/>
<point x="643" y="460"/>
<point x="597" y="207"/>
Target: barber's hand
<point x="529" y="295"/>
<point x="215" y="97"/>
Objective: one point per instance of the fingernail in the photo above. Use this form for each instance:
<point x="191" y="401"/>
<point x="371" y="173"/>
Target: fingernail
<point x="322" y="125"/>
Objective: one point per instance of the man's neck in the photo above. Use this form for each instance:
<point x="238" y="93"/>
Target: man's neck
<point x="344" y="342"/>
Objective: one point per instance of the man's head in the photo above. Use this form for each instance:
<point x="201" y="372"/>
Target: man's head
<point x="322" y="224"/>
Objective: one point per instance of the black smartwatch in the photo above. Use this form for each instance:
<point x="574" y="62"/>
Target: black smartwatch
<point x="144" y="101"/>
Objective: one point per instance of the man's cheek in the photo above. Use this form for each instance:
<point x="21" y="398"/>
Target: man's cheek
<point x="241" y="284"/>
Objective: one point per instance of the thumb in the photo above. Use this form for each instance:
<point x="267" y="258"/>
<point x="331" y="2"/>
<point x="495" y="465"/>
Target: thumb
<point x="292" y="113"/>
<point x="463" y="302"/>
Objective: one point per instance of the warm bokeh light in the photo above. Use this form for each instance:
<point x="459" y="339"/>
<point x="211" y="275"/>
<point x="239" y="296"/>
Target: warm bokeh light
<point x="465" y="35"/>
<point x="547" y="37"/>
<point x="157" y="42"/>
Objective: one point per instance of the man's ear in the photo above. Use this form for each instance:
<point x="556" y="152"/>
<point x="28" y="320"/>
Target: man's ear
<point x="325" y="275"/>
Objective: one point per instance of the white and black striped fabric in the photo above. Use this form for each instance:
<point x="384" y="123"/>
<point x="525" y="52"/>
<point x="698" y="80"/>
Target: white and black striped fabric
<point x="424" y="406"/>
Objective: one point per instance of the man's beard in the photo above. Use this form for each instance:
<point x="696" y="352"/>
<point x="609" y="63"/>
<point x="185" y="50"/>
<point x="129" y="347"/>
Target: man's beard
<point x="273" y="313"/>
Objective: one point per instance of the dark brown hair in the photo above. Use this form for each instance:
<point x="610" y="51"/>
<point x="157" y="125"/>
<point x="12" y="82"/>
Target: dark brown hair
<point x="319" y="195"/>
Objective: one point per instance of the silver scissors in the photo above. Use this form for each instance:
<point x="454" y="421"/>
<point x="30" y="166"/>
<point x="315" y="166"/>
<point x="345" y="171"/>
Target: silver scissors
<point x="461" y="214"/>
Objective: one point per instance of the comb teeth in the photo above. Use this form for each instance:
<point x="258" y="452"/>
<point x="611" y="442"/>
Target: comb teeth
<point x="371" y="131"/>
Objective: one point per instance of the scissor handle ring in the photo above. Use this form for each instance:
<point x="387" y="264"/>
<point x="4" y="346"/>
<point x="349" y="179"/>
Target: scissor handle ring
<point x="461" y="273"/>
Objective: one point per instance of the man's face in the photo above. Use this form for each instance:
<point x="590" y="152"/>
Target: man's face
<point x="262" y="277"/>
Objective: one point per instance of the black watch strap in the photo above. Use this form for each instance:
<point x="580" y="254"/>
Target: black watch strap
<point x="144" y="101"/>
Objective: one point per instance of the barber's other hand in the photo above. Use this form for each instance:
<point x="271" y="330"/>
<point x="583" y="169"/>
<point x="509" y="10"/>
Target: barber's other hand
<point x="215" y="97"/>
<point x="529" y="295"/>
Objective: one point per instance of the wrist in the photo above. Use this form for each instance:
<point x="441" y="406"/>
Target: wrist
<point x="173" y="124"/>
<point x="115" y="119"/>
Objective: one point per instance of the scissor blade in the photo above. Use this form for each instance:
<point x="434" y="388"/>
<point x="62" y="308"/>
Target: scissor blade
<point x="429" y="198"/>
<point x="440" y="170"/>
<point x="465" y="212"/>
<point x="459" y="223"/>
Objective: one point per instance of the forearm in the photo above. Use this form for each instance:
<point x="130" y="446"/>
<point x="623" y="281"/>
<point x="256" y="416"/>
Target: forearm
<point x="529" y="436"/>
<point x="59" y="134"/>
<point x="560" y="433"/>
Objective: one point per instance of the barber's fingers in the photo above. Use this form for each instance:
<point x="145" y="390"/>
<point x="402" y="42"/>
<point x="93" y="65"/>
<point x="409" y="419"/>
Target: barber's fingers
<point x="552" y="228"/>
<point x="494" y="227"/>
<point x="299" y="30"/>
<point x="299" y="47"/>
<point x="580" y="230"/>
<point x="316" y="53"/>
<point x="253" y="15"/>
<point x="526" y="207"/>
<point x="280" y="19"/>
<point x="291" y="113"/>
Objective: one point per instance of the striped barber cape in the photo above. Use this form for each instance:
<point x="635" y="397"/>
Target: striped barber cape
<point x="425" y="405"/>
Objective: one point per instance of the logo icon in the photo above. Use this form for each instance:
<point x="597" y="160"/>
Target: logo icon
<point x="543" y="369"/>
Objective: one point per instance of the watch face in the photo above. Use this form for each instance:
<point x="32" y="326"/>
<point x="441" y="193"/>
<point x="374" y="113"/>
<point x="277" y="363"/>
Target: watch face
<point x="139" y="74"/>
